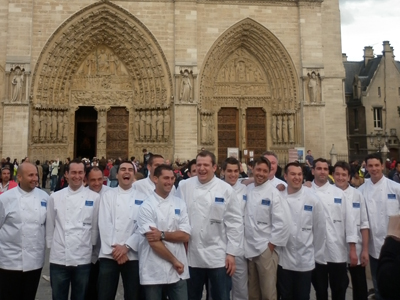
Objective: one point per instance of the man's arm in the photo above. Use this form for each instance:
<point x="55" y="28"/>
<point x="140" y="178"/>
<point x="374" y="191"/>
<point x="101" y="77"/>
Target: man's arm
<point x="50" y="221"/>
<point x="2" y="214"/>
<point x="105" y="222"/>
<point x="170" y="236"/>
<point x="159" y="248"/>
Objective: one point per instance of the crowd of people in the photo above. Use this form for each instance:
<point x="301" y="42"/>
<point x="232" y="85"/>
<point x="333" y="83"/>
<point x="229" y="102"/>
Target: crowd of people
<point x="169" y="230"/>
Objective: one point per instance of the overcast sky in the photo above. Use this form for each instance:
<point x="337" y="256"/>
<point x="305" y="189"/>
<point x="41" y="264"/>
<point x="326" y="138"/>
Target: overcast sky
<point x="369" y="23"/>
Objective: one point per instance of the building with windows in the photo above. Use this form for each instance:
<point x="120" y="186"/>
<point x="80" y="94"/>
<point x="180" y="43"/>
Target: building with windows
<point x="373" y="103"/>
<point x="111" y="77"/>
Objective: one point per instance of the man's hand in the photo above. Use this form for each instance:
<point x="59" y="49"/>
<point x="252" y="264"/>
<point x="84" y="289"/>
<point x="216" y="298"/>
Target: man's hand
<point x="153" y="235"/>
<point x="353" y="255"/>
<point x="271" y="247"/>
<point x="123" y="259"/>
<point x="230" y="264"/>
<point x="119" y="251"/>
<point x="281" y="187"/>
<point x="364" y="258"/>
<point x="178" y="266"/>
<point x="307" y="184"/>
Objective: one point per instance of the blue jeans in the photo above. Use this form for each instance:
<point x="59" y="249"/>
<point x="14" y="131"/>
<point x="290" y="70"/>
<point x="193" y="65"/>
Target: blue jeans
<point x="53" y="182"/>
<point x="373" y="263"/>
<point x="113" y="183"/>
<point x="221" y="283"/>
<point x="109" y="272"/>
<point x="174" y="291"/>
<point x="61" y="277"/>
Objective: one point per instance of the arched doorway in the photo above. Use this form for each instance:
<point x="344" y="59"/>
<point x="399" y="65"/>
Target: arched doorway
<point x="85" y="132"/>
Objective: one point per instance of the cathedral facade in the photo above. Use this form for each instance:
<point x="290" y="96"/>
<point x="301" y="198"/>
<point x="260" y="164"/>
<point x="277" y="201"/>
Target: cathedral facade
<point x="109" y="78"/>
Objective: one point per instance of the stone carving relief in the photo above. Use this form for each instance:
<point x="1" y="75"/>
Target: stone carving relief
<point x="16" y="88"/>
<point x="95" y="98"/>
<point x="282" y="128"/>
<point x="152" y="125"/>
<point x="49" y="125"/>
<point x="17" y="83"/>
<point x="101" y="131"/>
<point x="313" y="82"/>
<point x="186" y="87"/>
<point x="207" y="128"/>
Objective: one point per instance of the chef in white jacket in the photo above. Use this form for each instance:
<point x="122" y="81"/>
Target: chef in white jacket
<point x="71" y="232"/>
<point x="217" y="229"/>
<point x="22" y="236"/>
<point x="341" y="175"/>
<point x="382" y="198"/>
<point x="266" y="223"/>
<point x="341" y="229"/>
<point x="231" y="169"/>
<point x="307" y="237"/>
<point x="119" y="209"/>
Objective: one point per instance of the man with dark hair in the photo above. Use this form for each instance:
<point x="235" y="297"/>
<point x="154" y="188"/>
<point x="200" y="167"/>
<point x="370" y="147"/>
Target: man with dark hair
<point x="146" y="157"/>
<point x="146" y="186"/>
<point x="341" y="229"/>
<point x="217" y="229"/>
<point x="382" y="198"/>
<point x="22" y="236"/>
<point x="231" y="170"/>
<point x="266" y="227"/>
<point x="119" y="209"/>
<point x="46" y="170"/>
<point x="94" y="180"/>
<point x="307" y="237"/>
<point x="113" y="174"/>
<point x="341" y="175"/>
<point x="163" y="225"/>
<point x="192" y="168"/>
<point x="6" y="183"/>
<point x="396" y="175"/>
<point x="71" y="232"/>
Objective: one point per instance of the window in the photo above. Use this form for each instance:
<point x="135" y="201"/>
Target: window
<point x="379" y="91"/>
<point x="378" y="117"/>
<point x="355" y="118"/>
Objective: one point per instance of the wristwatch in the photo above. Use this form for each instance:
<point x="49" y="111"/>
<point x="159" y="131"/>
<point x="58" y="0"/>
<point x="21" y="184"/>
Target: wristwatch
<point x="127" y="247"/>
<point x="162" y="236"/>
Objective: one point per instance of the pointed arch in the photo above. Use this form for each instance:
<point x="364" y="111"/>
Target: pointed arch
<point x="102" y="23"/>
<point x="271" y="55"/>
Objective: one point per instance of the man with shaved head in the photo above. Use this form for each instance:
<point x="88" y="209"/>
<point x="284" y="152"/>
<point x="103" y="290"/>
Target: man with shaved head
<point x="22" y="236"/>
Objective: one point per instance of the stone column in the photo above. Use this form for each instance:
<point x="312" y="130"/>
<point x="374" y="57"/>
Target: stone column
<point x="101" y="131"/>
<point x="333" y="155"/>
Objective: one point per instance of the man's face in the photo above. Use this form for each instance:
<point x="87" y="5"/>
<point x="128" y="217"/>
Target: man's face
<point x="294" y="177"/>
<point x="261" y="172"/>
<point x="95" y="180"/>
<point x="341" y="177"/>
<point x="231" y="174"/>
<point x="321" y="172"/>
<point x="75" y="175"/>
<point x="193" y="171"/>
<point x="274" y="165"/>
<point x="5" y="175"/>
<point x="398" y="168"/>
<point x="28" y="177"/>
<point x="156" y="162"/>
<point x="164" y="182"/>
<point x="375" y="168"/>
<point x="126" y="175"/>
<point x="205" y="169"/>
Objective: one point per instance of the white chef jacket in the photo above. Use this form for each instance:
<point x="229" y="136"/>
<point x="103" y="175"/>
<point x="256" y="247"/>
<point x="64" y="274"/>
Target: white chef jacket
<point x="341" y="227"/>
<point x="306" y="242"/>
<point x="382" y="200"/>
<point x="360" y="215"/>
<point x="118" y="214"/>
<point x="71" y="226"/>
<point x="147" y="187"/>
<point x="266" y="219"/>
<point x="22" y="229"/>
<point x="169" y="214"/>
<point x="241" y="193"/>
<point x="276" y="181"/>
<point x="96" y="248"/>
<point x="216" y="221"/>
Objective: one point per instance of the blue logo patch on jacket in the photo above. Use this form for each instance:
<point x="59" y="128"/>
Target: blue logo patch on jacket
<point x="307" y="207"/>
<point x="43" y="203"/>
<point x="266" y="202"/>
<point x="138" y="202"/>
<point x="219" y="200"/>
<point x="177" y="211"/>
<point x="245" y="197"/>
<point x="392" y="196"/>
<point x="88" y="203"/>
<point x="338" y="200"/>
<point x="356" y="205"/>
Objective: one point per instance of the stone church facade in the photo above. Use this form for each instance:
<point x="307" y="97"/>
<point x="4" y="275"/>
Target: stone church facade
<point x="109" y="78"/>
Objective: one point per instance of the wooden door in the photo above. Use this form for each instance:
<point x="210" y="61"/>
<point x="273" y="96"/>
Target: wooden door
<point x="228" y="125"/>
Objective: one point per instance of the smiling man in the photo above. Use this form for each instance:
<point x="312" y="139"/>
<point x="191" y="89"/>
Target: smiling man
<point x="231" y="170"/>
<point x="341" y="229"/>
<point x="266" y="226"/>
<point x="71" y="232"/>
<point x="119" y="209"/>
<point x="217" y="229"/>
<point x="382" y="198"/>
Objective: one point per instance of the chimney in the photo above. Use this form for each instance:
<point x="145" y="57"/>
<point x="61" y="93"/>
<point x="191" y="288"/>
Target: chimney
<point x="344" y="57"/>
<point x="387" y="49"/>
<point x="368" y="54"/>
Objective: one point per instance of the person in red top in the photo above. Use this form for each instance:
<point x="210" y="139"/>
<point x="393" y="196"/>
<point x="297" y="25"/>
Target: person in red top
<point x="6" y="184"/>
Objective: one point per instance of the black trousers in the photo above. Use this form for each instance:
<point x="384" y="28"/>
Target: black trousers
<point x="294" y="285"/>
<point x="19" y="285"/>
<point x="92" y="287"/>
<point x="336" y="275"/>
<point x="359" y="282"/>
